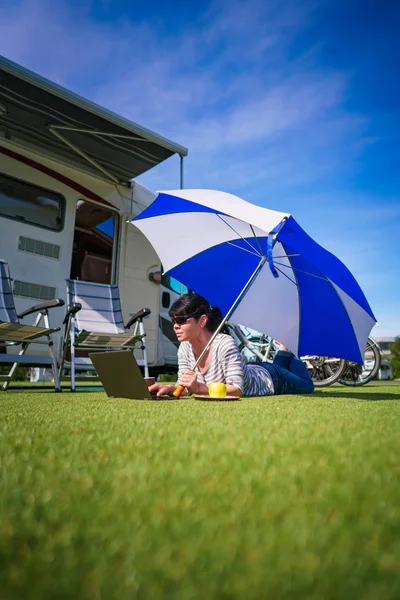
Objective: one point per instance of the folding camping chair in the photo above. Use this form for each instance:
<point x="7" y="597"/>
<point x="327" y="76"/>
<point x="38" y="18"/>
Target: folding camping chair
<point x="94" y="322"/>
<point x="13" y="333"/>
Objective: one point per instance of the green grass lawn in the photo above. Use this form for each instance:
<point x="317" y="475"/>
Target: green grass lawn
<point x="281" y="497"/>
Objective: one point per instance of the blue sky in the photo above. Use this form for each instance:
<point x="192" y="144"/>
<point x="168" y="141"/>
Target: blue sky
<point x="292" y="105"/>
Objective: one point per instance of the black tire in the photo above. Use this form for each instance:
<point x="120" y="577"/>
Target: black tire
<point x="324" y="370"/>
<point x="356" y="375"/>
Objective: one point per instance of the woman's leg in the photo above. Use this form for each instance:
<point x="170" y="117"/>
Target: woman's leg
<point x="282" y="359"/>
<point x="294" y="377"/>
<point x="298" y="368"/>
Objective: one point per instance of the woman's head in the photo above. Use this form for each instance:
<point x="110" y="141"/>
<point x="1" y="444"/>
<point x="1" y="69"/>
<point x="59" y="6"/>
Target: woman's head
<point x="194" y="306"/>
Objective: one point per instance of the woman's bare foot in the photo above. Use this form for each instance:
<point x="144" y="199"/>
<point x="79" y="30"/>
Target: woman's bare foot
<point x="281" y="346"/>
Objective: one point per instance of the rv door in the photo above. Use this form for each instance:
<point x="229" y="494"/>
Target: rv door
<point x="95" y="245"/>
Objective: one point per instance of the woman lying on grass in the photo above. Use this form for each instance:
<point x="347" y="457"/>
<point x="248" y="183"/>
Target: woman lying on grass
<point x="194" y="322"/>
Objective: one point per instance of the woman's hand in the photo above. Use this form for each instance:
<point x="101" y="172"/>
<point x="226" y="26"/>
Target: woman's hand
<point x="189" y="381"/>
<point x="161" y="389"/>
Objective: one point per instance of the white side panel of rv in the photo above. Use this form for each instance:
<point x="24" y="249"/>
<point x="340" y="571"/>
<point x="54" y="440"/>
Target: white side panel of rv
<point x="135" y="257"/>
<point x="32" y="268"/>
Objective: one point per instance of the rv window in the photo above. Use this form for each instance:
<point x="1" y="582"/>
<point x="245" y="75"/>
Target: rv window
<point x="31" y="204"/>
<point x="94" y="250"/>
<point x="173" y="284"/>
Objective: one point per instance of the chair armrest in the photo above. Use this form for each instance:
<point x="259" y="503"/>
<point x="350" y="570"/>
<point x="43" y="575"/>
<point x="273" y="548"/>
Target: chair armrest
<point x="42" y="306"/>
<point x="73" y="309"/>
<point x="144" y="312"/>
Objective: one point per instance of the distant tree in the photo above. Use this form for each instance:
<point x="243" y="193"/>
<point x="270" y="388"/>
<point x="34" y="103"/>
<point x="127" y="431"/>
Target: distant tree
<point x="395" y="350"/>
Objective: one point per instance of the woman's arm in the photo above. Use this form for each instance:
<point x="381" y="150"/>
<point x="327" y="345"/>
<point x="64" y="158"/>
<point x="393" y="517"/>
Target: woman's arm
<point x="233" y="367"/>
<point x="232" y="390"/>
<point x="189" y="380"/>
<point x="184" y="366"/>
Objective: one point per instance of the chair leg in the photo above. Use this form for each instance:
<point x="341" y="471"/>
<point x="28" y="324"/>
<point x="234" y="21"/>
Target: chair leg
<point x="69" y="341"/>
<point x="72" y="346"/>
<point x="57" y="385"/>
<point x="5" y="385"/>
<point x="64" y="353"/>
<point x="60" y="370"/>
<point x="145" y="361"/>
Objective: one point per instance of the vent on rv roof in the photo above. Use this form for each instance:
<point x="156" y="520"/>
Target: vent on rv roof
<point x="38" y="247"/>
<point x="34" y="290"/>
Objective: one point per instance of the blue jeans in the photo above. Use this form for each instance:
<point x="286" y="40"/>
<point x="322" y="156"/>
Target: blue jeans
<point x="289" y="374"/>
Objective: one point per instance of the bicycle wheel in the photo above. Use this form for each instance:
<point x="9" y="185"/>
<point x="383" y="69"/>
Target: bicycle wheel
<point x="356" y="374"/>
<point x="324" y="370"/>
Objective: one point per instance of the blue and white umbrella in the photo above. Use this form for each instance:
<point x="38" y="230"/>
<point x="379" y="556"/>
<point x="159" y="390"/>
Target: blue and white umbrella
<point x="261" y="269"/>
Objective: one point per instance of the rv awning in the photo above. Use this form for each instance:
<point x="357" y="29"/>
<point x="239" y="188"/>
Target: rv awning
<point x="71" y="129"/>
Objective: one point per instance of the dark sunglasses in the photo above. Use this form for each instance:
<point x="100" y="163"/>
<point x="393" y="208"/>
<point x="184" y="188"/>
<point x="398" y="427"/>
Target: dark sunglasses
<point x="181" y="320"/>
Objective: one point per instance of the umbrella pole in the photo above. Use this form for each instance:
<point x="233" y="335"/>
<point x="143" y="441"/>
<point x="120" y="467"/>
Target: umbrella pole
<point x="177" y="393"/>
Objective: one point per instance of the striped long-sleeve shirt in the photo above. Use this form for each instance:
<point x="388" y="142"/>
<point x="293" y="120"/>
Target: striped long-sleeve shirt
<point x="227" y="366"/>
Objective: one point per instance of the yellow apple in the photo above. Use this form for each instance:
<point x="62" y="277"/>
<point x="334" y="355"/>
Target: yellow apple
<point x="217" y="390"/>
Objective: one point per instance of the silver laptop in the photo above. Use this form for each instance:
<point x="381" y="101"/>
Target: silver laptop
<point x="120" y="375"/>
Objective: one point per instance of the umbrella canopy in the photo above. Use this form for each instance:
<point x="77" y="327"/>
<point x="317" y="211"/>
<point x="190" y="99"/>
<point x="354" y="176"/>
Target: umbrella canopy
<point x="297" y="292"/>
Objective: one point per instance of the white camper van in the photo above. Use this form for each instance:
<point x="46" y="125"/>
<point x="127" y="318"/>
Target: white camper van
<point x="66" y="194"/>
